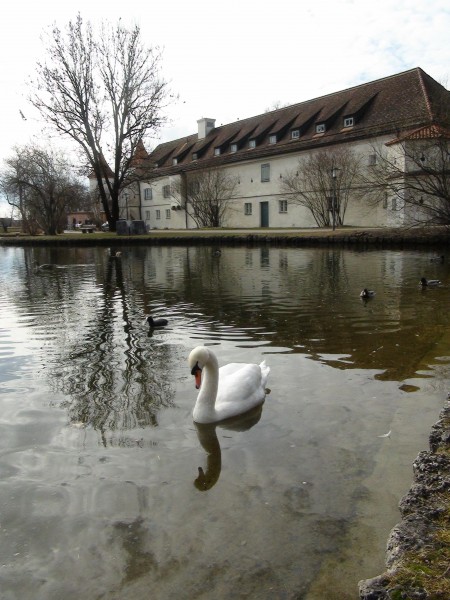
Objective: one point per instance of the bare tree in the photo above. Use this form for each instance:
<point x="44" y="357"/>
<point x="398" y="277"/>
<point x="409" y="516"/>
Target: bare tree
<point x="103" y="92"/>
<point x="323" y="183"/>
<point x="277" y="104"/>
<point x="414" y="173"/>
<point x="206" y="195"/>
<point x="41" y="185"/>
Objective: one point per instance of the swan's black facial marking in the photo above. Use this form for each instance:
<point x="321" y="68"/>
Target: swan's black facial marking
<point x="195" y="368"/>
<point x="197" y="372"/>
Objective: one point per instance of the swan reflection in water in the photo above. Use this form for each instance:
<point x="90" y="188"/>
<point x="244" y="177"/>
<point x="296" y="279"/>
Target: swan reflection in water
<point x="208" y="439"/>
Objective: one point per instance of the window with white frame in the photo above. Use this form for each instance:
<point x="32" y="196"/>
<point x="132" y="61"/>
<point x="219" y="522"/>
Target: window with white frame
<point x="320" y="128"/>
<point x="167" y="213"/>
<point x="166" y="191"/>
<point x="282" y="206"/>
<point x="265" y="172"/>
<point x="148" y="194"/>
<point x="252" y="143"/>
<point x="272" y="139"/>
<point x="349" y="122"/>
<point x="194" y="156"/>
<point x="216" y="151"/>
<point x="248" y="208"/>
<point x="295" y="134"/>
<point x="233" y="148"/>
<point x="174" y="161"/>
<point x="158" y="214"/>
<point x="147" y="215"/>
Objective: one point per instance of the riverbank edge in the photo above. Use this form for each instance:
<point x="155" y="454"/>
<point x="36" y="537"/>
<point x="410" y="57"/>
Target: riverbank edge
<point x="418" y="549"/>
<point x="375" y="237"/>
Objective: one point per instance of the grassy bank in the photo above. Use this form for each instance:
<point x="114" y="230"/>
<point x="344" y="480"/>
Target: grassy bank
<point x="384" y="237"/>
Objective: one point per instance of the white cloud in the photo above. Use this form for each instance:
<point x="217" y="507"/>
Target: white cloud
<point x="233" y="59"/>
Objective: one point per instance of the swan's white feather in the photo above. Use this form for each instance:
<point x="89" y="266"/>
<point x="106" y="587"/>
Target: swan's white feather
<point x="229" y="391"/>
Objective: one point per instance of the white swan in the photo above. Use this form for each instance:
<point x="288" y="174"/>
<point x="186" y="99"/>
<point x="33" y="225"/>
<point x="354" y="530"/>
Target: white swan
<point x="226" y="392"/>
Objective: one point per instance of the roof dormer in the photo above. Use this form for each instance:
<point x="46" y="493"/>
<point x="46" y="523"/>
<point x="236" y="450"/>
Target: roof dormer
<point x="349" y="121"/>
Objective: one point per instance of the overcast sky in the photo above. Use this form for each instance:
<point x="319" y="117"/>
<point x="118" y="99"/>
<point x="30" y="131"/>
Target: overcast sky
<point x="233" y="59"/>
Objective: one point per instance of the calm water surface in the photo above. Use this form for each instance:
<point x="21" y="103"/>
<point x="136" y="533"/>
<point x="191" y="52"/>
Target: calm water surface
<point x="100" y="492"/>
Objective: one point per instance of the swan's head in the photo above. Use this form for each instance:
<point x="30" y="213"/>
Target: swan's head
<point x="197" y="360"/>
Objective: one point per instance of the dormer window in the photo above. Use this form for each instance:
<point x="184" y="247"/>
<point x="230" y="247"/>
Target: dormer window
<point x="252" y="143"/>
<point x="194" y="156"/>
<point x="217" y="151"/>
<point x="349" y="122"/>
<point x="320" y="128"/>
<point x="272" y="139"/>
<point x="175" y="161"/>
<point x="295" y="134"/>
<point x="233" y="148"/>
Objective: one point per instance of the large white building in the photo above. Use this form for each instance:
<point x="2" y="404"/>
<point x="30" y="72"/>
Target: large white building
<point x="259" y="151"/>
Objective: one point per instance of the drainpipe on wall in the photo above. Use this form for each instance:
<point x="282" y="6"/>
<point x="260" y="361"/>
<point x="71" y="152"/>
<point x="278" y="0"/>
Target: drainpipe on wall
<point x="140" y="201"/>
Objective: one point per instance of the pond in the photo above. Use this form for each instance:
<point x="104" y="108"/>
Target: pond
<point x="108" y="489"/>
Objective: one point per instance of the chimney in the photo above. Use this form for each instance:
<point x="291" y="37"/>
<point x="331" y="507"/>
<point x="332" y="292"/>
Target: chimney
<point x="204" y="127"/>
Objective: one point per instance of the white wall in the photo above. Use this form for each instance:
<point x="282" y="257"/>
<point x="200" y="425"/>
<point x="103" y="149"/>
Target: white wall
<point x="251" y="190"/>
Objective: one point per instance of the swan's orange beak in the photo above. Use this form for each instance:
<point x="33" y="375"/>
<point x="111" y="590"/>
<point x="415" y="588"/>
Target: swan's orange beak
<point x="198" y="379"/>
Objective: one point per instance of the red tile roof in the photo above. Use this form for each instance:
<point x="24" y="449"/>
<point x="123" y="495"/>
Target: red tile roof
<point x="423" y="133"/>
<point x="403" y="102"/>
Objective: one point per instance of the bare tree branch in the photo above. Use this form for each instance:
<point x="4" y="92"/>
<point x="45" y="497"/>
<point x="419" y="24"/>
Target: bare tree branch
<point x="41" y="185"/>
<point x="206" y="195"/>
<point x="414" y="174"/>
<point x="323" y="182"/>
<point x="105" y="93"/>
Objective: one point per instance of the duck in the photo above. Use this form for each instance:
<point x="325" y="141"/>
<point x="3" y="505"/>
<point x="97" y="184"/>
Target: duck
<point x="45" y="266"/>
<point x="232" y="390"/>
<point x="115" y="254"/>
<point x="154" y="323"/>
<point x="367" y="293"/>
<point x="429" y="282"/>
<point x="217" y="252"/>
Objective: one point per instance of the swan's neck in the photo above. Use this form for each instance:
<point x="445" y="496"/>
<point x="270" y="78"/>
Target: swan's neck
<point x="210" y="382"/>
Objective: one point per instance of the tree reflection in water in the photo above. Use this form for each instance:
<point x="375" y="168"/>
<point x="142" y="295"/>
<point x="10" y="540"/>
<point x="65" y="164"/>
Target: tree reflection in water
<point x="114" y="377"/>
